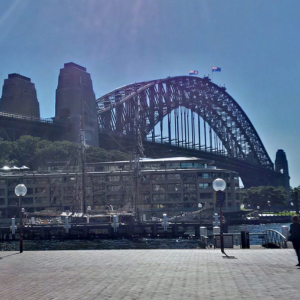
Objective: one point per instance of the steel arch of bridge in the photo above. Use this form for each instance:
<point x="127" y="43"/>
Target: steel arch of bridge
<point x="158" y="98"/>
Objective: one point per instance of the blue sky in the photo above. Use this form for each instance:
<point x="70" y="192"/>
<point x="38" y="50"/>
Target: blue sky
<point x="256" y="43"/>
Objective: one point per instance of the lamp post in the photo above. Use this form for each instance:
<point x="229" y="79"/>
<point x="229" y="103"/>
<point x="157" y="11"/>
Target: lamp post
<point x="20" y="191"/>
<point x="219" y="185"/>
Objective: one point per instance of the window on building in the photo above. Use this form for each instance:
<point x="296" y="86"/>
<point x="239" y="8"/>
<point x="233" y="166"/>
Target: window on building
<point x="206" y="195"/>
<point x="189" y="177"/>
<point x="113" y="198"/>
<point x="204" y="175"/>
<point x="205" y="185"/>
<point x="174" y="187"/>
<point x="173" y="166"/>
<point x="28" y="180"/>
<point x="55" y="191"/>
<point x="145" y="198"/>
<point x="13" y="202"/>
<point x="126" y="178"/>
<point x="189" y="197"/>
<point x="189" y="187"/>
<point x="113" y="178"/>
<point x="41" y="180"/>
<point x="191" y="165"/>
<point x="68" y="190"/>
<point x="27" y="201"/>
<point x="158" y="187"/>
<point x="114" y="188"/>
<point x="158" y="197"/>
<point x="174" y="197"/>
<point x="173" y="176"/>
<point x="68" y="200"/>
<point x="159" y="177"/>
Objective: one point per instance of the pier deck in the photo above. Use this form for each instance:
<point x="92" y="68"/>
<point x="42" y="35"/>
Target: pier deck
<point x="149" y="274"/>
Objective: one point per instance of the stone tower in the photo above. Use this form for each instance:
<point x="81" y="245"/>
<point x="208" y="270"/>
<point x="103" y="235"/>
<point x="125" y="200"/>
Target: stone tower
<point x="19" y="96"/>
<point x="281" y="165"/>
<point x="76" y="104"/>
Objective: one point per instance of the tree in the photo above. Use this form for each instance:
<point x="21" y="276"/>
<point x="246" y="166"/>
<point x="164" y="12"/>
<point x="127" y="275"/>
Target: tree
<point x="6" y="148"/>
<point x="295" y="195"/>
<point x="24" y="151"/>
<point x="264" y="196"/>
<point x="98" y="155"/>
<point x="35" y="152"/>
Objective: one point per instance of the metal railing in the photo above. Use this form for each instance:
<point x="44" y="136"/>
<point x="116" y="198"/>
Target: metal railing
<point x="25" y="117"/>
<point x="274" y="237"/>
<point x="32" y="118"/>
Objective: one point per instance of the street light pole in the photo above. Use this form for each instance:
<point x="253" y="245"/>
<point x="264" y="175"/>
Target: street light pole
<point x="20" y="191"/>
<point x="219" y="185"/>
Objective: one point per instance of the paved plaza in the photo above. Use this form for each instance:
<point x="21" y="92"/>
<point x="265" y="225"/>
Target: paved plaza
<point x="149" y="274"/>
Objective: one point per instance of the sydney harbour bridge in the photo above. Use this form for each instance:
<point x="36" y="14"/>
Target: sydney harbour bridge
<point x="174" y="116"/>
<point x="188" y="116"/>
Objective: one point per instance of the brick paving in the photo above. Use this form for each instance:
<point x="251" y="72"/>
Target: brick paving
<point x="149" y="274"/>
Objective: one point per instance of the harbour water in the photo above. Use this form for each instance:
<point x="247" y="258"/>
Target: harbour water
<point x="135" y="243"/>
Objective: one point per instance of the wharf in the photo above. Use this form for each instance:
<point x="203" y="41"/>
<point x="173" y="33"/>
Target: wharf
<point x="149" y="275"/>
<point x="103" y="230"/>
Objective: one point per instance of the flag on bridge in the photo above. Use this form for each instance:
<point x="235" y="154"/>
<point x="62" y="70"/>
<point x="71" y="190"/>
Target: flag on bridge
<point x="193" y="72"/>
<point x="216" y="69"/>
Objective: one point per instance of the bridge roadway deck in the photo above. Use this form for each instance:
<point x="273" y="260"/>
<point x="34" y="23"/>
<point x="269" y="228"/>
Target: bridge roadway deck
<point x="149" y="274"/>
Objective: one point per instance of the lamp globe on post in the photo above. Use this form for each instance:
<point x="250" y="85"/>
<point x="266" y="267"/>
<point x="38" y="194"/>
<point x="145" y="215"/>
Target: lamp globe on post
<point x="21" y="191"/>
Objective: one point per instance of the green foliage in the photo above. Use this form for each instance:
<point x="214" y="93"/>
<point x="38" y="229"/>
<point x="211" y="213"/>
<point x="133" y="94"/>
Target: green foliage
<point x="99" y="154"/>
<point x="6" y="149"/>
<point x="263" y="196"/>
<point x="294" y="191"/>
<point x="34" y="152"/>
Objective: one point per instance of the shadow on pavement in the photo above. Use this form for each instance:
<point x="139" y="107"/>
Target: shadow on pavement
<point x="9" y="255"/>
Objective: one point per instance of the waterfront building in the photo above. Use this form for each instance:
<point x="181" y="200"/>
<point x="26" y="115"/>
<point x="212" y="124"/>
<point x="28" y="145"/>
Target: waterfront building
<point x="166" y="185"/>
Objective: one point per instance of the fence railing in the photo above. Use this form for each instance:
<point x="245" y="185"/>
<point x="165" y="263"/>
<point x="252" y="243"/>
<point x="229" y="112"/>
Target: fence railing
<point x="274" y="237"/>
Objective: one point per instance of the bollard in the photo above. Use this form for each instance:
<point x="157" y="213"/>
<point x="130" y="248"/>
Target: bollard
<point x="203" y="239"/>
<point x="203" y="231"/>
<point x="165" y="223"/>
<point x="285" y="231"/>
<point x="144" y="218"/>
<point x="13" y="228"/>
<point x="216" y="220"/>
<point x="115" y="223"/>
<point x="216" y="230"/>
<point x="245" y="238"/>
<point x="67" y="226"/>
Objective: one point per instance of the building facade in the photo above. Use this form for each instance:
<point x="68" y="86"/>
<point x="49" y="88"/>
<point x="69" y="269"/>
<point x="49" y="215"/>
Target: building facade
<point x="170" y="185"/>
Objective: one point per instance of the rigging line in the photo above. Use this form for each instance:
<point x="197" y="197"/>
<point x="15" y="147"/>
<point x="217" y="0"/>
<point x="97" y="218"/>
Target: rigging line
<point x="115" y="140"/>
<point x="59" y="174"/>
<point x="149" y="146"/>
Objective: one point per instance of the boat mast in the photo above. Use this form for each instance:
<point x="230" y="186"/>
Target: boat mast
<point x="82" y="147"/>
<point x="138" y="153"/>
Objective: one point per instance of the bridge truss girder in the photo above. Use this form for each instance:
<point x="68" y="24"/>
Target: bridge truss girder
<point x="159" y="98"/>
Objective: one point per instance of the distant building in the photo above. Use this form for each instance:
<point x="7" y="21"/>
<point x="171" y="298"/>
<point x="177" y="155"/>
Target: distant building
<point x="169" y="185"/>
<point x="19" y="96"/>
<point x="76" y="104"/>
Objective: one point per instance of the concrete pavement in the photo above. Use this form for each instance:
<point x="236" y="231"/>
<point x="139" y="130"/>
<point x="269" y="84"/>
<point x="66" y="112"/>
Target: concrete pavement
<point x="149" y="274"/>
